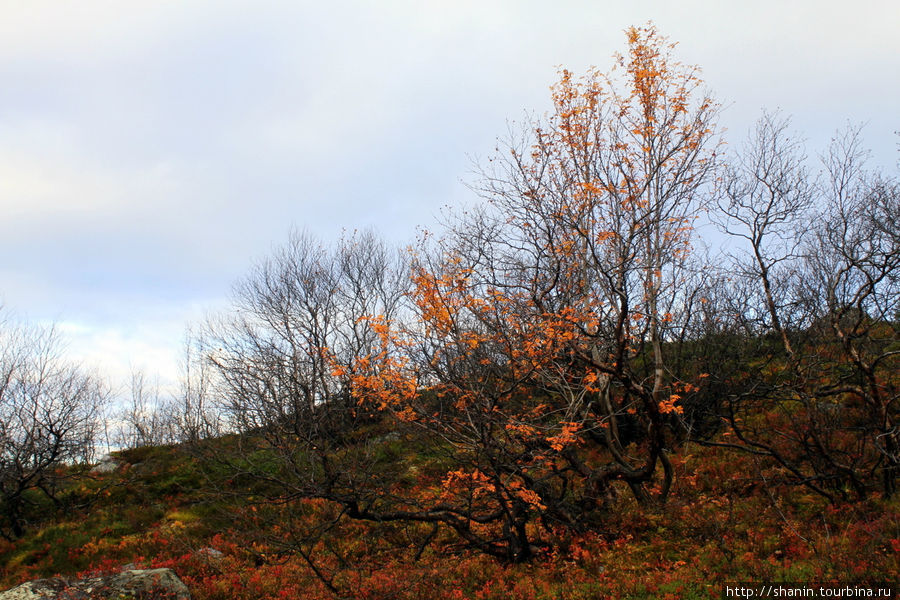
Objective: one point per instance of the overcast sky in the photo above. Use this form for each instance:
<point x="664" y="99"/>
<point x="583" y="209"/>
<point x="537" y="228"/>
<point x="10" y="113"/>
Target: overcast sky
<point x="151" y="152"/>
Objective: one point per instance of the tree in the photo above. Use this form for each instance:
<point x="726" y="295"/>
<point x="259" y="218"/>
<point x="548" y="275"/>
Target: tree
<point x="543" y="316"/>
<point x="281" y="359"/>
<point x="49" y="419"/>
<point x="766" y="194"/>
<point x="191" y="412"/>
<point x="817" y="307"/>
<point x="145" y="421"/>
<point x="299" y="317"/>
<point x="189" y="415"/>
<point x="852" y="277"/>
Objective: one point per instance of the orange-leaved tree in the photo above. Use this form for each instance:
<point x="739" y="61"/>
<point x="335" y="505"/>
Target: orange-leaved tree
<point x="538" y="356"/>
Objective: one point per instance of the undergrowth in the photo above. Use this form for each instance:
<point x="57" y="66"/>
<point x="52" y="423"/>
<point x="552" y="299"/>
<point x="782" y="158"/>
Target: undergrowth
<point x="161" y="509"/>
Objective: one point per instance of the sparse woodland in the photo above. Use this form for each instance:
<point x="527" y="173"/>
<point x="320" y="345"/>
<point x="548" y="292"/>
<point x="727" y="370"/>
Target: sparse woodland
<point x="643" y="363"/>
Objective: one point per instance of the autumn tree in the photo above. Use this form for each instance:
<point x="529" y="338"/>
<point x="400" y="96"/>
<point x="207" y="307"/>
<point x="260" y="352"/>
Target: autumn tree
<point x="543" y="316"/>
<point x="767" y="192"/>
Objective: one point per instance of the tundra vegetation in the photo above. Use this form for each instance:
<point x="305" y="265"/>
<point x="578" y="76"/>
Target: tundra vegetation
<point x="566" y="391"/>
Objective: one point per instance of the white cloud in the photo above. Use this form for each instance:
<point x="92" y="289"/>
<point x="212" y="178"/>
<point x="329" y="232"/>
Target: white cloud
<point x="33" y="188"/>
<point x="117" y="352"/>
<point x="150" y="151"/>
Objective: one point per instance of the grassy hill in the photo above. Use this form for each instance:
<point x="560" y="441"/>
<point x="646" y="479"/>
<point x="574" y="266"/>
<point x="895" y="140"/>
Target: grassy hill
<point x="171" y="507"/>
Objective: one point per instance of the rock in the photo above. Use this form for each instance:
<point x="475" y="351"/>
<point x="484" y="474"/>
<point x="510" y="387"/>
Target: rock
<point x="145" y="584"/>
<point x="391" y="436"/>
<point x="107" y="464"/>
<point x="209" y="553"/>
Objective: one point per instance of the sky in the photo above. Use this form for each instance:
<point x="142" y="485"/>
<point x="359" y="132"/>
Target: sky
<point x="152" y="152"/>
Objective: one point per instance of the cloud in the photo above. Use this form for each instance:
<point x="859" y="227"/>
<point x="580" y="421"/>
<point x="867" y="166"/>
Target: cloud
<point x="150" y="152"/>
<point x="117" y="351"/>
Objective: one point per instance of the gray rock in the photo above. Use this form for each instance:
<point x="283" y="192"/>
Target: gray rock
<point x="146" y="584"/>
<point x="209" y="553"/>
<point x="107" y="464"/>
<point x="391" y="436"/>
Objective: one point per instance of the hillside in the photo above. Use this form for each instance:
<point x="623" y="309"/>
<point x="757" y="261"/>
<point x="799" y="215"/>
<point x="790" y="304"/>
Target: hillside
<point x="164" y="506"/>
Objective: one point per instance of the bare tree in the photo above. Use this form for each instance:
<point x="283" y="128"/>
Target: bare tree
<point x="49" y="417"/>
<point x="820" y="276"/>
<point x="853" y="276"/>
<point x="298" y="318"/>
<point x="282" y="373"/>
<point x="185" y="415"/>
<point x="192" y="412"/>
<point x="145" y="419"/>
<point x="767" y="193"/>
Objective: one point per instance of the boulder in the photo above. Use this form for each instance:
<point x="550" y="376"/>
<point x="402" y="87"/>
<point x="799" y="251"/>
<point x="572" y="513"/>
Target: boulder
<point x="143" y="584"/>
<point x="209" y="553"/>
<point x="107" y="464"/>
